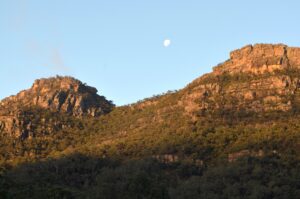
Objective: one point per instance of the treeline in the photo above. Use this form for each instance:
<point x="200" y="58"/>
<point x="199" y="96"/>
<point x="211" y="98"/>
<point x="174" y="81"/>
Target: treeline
<point x="80" y="176"/>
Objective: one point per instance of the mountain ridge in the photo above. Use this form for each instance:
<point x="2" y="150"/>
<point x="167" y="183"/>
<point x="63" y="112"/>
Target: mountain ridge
<point x="256" y="79"/>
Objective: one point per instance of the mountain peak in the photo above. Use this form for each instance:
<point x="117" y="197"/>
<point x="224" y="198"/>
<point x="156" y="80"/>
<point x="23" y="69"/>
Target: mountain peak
<point x="260" y="58"/>
<point x="257" y="79"/>
<point x="61" y="94"/>
<point x="63" y="83"/>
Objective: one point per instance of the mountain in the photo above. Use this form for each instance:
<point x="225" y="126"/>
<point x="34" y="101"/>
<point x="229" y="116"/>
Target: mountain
<point x="231" y="133"/>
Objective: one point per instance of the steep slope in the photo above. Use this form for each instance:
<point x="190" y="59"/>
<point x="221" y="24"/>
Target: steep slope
<point x="239" y="106"/>
<point x="259" y="78"/>
<point x="242" y="107"/>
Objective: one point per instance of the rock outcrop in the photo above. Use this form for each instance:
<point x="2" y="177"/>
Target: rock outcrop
<point x="260" y="58"/>
<point x="60" y="94"/>
<point x="256" y="79"/>
<point x="20" y="115"/>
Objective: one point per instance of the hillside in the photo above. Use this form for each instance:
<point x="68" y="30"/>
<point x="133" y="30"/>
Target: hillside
<point x="232" y="133"/>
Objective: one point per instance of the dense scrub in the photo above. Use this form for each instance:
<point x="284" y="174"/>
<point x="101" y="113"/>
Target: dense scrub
<point x="79" y="176"/>
<point x="156" y="149"/>
<point x="109" y="157"/>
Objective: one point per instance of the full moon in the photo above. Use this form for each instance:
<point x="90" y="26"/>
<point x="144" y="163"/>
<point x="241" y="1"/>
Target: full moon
<point x="167" y="42"/>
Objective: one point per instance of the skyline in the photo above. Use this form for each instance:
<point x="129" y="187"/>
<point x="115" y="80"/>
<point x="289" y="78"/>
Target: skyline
<point x="119" y="47"/>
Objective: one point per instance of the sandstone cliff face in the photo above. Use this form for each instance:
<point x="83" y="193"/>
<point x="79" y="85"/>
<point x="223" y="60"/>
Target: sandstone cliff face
<point x="58" y="95"/>
<point x="259" y="78"/>
<point x="260" y="58"/>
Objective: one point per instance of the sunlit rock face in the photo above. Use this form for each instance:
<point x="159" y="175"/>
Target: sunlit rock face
<point x="61" y="95"/>
<point x="257" y="79"/>
<point x="260" y="58"/>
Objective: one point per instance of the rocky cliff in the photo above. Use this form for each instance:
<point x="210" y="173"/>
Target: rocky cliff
<point x="260" y="58"/>
<point x="59" y="95"/>
<point x="256" y="79"/>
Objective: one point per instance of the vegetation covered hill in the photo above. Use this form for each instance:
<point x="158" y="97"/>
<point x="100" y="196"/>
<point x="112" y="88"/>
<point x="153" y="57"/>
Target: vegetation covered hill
<point x="232" y="133"/>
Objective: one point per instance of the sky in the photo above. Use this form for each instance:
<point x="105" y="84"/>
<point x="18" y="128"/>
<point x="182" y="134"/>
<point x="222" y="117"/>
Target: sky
<point x="118" y="46"/>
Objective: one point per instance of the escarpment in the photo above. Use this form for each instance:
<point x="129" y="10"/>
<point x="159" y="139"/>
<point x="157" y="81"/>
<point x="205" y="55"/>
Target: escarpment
<point x="256" y="79"/>
<point x="260" y="58"/>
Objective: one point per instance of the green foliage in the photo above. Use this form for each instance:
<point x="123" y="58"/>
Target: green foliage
<point x="79" y="176"/>
<point x="247" y="178"/>
<point x="154" y="149"/>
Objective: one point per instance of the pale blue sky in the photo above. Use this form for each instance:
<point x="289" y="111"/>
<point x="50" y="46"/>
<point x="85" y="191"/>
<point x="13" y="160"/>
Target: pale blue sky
<point x="117" y="45"/>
